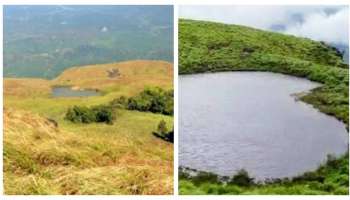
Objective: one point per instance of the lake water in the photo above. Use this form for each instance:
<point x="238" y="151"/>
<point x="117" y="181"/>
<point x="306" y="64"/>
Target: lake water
<point x="251" y="120"/>
<point x="65" y="91"/>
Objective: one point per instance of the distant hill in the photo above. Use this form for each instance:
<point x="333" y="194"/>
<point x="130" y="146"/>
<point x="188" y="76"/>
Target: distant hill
<point x="42" y="41"/>
<point x="344" y="49"/>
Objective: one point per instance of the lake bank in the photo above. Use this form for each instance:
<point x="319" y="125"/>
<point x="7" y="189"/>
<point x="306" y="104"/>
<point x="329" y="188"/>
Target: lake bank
<point x="251" y="120"/>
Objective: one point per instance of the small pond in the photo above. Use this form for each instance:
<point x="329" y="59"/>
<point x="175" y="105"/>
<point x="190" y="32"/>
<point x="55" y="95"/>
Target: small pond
<point x="252" y="120"/>
<point x="67" y="91"/>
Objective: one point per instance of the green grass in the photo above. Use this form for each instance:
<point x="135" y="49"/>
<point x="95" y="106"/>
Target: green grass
<point x="329" y="178"/>
<point x="214" y="47"/>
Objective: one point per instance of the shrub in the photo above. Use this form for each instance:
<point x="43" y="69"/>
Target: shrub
<point x="154" y="100"/>
<point x="104" y="114"/>
<point x="183" y="174"/>
<point x="162" y="132"/>
<point x="242" y="178"/>
<point x="83" y="114"/>
<point x="333" y="162"/>
<point x="80" y="114"/>
<point x="309" y="176"/>
<point x="162" y="129"/>
<point x="121" y="102"/>
<point x="169" y="136"/>
<point x="203" y="177"/>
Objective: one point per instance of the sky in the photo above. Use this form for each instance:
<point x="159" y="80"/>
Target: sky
<point x="321" y="23"/>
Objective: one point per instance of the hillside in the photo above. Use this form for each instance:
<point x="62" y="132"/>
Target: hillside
<point x="209" y="46"/>
<point x="46" y="154"/>
<point x="213" y="47"/>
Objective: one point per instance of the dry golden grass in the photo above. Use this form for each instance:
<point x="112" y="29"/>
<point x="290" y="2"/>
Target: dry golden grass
<point x="133" y="74"/>
<point x="134" y="77"/>
<point x="123" y="158"/>
<point x="26" y="87"/>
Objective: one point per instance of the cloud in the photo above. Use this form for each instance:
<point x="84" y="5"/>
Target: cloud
<point x="320" y="26"/>
<point x="327" y="23"/>
<point x="255" y="16"/>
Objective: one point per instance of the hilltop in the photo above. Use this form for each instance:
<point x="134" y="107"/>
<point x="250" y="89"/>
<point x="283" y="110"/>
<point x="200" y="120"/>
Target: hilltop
<point x="46" y="154"/>
<point x="209" y="46"/>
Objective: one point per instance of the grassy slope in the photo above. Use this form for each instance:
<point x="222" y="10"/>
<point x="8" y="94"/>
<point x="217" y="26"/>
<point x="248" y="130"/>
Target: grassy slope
<point x="211" y="47"/>
<point x="124" y="158"/>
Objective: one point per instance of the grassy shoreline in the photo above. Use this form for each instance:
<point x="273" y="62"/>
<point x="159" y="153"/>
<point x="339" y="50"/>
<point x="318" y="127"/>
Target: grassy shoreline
<point x="215" y="47"/>
<point x="329" y="178"/>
